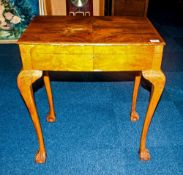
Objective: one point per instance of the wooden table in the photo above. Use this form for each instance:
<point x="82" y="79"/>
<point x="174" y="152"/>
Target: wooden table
<point x="90" y="44"/>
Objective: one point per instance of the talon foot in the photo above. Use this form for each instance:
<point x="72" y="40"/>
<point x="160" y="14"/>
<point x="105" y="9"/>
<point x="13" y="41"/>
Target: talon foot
<point x="40" y="157"/>
<point x="51" y="118"/>
<point x="134" y="116"/>
<point x="145" y="155"/>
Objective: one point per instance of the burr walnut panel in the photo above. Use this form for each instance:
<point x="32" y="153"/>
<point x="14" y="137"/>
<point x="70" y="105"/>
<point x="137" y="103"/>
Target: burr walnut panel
<point x="62" y="62"/>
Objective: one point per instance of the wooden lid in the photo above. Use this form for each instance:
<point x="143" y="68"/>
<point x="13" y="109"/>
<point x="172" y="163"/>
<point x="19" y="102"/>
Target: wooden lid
<point x="79" y="30"/>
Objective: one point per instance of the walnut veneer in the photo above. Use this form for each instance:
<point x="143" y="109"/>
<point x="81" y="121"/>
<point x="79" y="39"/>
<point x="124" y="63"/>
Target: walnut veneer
<point x="57" y="43"/>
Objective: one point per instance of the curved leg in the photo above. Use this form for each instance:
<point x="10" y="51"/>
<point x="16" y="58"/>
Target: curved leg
<point x="157" y="78"/>
<point x="51" y="114"/>
<point x="25" y="80"/>
<point x="134" y="115"/>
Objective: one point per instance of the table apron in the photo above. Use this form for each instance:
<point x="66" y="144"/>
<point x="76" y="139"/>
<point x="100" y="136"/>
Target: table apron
<point x="90" y="58"/>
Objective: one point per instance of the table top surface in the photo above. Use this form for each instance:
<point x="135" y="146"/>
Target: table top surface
<point x="79" y="30"/>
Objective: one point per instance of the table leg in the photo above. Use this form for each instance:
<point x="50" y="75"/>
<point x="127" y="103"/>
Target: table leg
<point x="25" y="80"/>
<point x="157" y="78"/>
<point x="51" y="115"/>
<point x="134" y="115"/>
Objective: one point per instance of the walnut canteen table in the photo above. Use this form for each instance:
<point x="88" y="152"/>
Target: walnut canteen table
<point x="58" y="43"/>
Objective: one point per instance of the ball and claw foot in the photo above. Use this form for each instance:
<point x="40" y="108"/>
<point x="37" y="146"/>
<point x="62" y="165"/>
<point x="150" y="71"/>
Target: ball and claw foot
<point x="134" y="116"/>
<point x="51" y="118"/>
<point x="40" y="157"/>
<point x="145" y="155"/>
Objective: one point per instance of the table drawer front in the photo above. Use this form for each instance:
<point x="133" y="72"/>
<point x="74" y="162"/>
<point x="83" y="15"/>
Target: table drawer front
<point x="126" y="49"/>
<point x="122" y="62"/>
<point x="59" y="49"/>
<point x="62" y="62"/>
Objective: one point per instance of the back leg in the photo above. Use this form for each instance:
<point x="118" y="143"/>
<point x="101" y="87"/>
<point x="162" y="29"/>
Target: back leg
<point x="134" y="115"/>
<point x="51" y="115"/>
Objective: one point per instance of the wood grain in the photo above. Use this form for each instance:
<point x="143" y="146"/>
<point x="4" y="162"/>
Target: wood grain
<point x="90" y="31"/>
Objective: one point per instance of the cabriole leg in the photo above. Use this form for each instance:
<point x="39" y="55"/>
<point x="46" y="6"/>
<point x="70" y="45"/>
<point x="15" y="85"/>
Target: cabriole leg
<point x="157" y="78"/>
<point x="134" y="115"/>
<point x="51" y="114"/>
<point x="25" y="80"/>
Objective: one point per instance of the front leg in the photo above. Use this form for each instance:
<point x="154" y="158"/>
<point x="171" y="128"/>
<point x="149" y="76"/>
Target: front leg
<point x="25" y="80"/>
<point x="157" y="78"/>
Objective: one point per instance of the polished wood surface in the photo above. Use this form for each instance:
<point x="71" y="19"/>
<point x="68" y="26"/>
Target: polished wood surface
<point x="91" y="30"/>
<point x="91" y="44"/>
